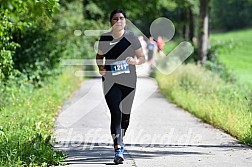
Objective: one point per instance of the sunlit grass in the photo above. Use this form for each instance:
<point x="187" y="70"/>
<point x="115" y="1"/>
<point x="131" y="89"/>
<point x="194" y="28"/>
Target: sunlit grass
<point x="26" y="126"/>
<point x="207" y="96"/>
<point x="235" y="52"/>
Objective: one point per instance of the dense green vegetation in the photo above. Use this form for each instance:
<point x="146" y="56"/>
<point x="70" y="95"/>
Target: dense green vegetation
<point x="233" y="50"/>
<point x="220" y="92"/>
<point x="20" y="18"/>
<point x="32" y="84"/>
<point x="26" y="131"/>
<point x="212" y="99"/>
<point x="231" y="14"/>
<point x="36" y="35"/>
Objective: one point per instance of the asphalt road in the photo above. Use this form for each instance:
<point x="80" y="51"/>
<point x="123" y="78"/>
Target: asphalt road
<point x="160" y="133"/>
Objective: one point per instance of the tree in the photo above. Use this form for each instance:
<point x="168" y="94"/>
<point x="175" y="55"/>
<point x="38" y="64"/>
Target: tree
<point x="203" y="32"/>
<point x="140" y="12"/>
<point x="231" y="14"/>
<point x="189" y="10"/>
<point x="16" y="18"/>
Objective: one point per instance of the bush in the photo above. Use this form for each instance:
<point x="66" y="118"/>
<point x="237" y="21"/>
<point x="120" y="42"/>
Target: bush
<point x="17" y="17"/>
<point x="38" y="55"/>
<point x="26" y="126"/>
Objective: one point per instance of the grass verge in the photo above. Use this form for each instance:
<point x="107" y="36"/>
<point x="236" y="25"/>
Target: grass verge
<point x="225" y="105"/>
<point x="26" y="126"/>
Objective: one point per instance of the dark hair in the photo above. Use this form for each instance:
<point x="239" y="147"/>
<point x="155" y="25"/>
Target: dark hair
<point x="117" y="11"/>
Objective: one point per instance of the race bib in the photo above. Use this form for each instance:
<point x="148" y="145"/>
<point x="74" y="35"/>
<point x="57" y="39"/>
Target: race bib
<point x="119" y="67"/>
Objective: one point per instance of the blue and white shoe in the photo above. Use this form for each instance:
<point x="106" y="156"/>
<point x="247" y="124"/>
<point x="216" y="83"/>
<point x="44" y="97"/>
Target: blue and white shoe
<point x="119" y="156"/>
<point x="122" y="149"/>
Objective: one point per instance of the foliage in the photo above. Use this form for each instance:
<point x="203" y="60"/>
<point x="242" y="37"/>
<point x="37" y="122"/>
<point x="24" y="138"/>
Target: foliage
<point x="16" y="18"/>
<point x="220" y="93"/>
<point x="207" y="96"/>
<point x="42" y="45"/>
<point x="70" y="20"/>
<point x="26" y="125"/>
<point x="36" y="35"/>
<point x="39" y="54"/>
<point x="29" y="98"/>
<point x="231" y="14"/>
<point x="233" y="51"/>
<point x="141" y="13"/>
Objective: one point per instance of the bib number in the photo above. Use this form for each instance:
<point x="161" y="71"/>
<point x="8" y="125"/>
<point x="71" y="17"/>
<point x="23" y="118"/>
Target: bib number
<point x="119" y="67"/>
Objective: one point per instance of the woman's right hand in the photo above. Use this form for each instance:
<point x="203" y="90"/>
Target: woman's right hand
<point x="102" y="70"/>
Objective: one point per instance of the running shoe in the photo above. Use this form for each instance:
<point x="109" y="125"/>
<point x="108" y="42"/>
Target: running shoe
<point x="122" y="149"/>
<point x="118" y="156"/>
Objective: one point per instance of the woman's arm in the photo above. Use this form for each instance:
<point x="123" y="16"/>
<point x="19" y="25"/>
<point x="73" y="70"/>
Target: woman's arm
<point x="139" y="59"/>
<point x="99" y="62"/>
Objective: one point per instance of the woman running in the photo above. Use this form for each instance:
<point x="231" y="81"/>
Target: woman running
<point x="122" y="51"/>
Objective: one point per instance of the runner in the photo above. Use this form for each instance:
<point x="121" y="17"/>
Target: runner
<point x="151" y="47"/>
<point x="122" y="51"/>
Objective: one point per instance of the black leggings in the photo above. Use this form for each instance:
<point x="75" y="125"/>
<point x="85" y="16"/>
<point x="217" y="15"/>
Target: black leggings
<point x="119" y="99"/>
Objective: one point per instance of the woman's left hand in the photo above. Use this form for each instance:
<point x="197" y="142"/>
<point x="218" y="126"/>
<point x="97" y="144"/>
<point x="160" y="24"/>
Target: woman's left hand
<point x="131" y="60"/>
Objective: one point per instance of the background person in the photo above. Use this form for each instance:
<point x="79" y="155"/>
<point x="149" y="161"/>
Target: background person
<point x="151" y="46"/>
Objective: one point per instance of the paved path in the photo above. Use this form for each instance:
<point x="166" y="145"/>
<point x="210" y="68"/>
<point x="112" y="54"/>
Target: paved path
<point x="160" y="133"/>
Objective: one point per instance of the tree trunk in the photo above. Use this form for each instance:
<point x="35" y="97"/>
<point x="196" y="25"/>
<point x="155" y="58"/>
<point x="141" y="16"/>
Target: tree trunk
<point x="203" y="31"/>
<point x="184" y="23"/>
<point x="191" y="25"/>
<point x="86" y="14"/>
<point x="188" y="24"/>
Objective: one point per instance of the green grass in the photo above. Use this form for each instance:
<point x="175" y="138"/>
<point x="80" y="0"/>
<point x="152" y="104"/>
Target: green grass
<point x="225" y="105"/>
<point x="222" y="98"/>
<point x="235" y="52"/>
<point x="26" y="126"/>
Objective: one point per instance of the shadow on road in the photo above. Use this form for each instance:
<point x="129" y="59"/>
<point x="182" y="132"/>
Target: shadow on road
<point x="102" y="153"/>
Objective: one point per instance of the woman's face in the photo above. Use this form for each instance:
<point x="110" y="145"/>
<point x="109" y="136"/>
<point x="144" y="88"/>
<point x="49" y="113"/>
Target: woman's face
<point x="118" y="21"/>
